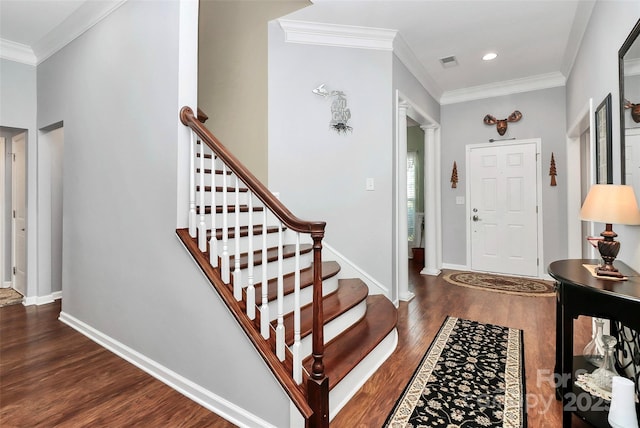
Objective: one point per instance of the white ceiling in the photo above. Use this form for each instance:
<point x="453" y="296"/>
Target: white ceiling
<point x="534" y="39"/>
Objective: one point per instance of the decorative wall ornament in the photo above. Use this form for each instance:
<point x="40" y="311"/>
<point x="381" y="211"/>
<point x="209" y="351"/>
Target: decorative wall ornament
<point x="552" y="171"/>
<point x="501" y="124"/>
<point x="635" y="110"/>
<point x="454" y="176"/>
<point x="340" y="113"/>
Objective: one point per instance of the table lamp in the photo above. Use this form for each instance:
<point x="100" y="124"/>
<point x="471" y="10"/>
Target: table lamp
<point x="610" y="203"/>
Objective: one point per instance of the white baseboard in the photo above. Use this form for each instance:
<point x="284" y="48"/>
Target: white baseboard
<point x="454" y="266"/>
<point x="42" y="300"/>
<point x="6" y="284"/>
<point x="193" y="391"/>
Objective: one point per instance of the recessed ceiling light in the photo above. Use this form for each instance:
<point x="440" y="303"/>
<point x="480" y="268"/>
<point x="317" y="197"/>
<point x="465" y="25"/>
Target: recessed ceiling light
<point x="490" y="56"/>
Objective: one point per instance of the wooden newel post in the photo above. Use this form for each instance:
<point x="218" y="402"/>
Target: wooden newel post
<point x="318" y="383"/>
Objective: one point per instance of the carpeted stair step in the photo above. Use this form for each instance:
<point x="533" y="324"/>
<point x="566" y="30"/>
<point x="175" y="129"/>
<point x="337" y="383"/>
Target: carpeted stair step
<point x="350" y="292"/>
<point x="344" y="352"/>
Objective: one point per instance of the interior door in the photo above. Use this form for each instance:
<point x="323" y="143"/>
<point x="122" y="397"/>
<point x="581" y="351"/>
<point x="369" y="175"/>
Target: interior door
<point x="18" y="179"/>
<point x="503" y="208"/>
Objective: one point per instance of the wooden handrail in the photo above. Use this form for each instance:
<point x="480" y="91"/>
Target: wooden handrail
<point x="317" y="383"/>
<point x="189" y="119"/>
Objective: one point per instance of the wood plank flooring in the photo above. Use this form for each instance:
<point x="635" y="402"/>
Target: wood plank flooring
<point x="50" y="375"/>
<point x="418" y="323"/>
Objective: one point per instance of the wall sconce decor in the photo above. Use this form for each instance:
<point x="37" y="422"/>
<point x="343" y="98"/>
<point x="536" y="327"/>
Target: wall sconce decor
<point x="610" y="203"/>
<point x="552" y="171"/>
<point x="635" y="110"/>
<point x="501" y="125"/>
<point x="454" y="176"/>
<point x="340" y="114"/>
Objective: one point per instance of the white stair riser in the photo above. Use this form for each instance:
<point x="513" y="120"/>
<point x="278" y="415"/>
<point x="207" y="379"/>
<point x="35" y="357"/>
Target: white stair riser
<point x="306" y="296"/>
<point x="272" y="241"/>
<point x="336" y="326"/>
<point x="243" y="198"/>
<point x="288" y="265"/>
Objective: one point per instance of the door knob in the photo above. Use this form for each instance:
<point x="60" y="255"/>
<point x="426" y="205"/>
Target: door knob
<point x="475" y="218"/>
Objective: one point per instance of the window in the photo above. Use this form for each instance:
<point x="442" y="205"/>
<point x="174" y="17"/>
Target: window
<point x="412" y="159"/>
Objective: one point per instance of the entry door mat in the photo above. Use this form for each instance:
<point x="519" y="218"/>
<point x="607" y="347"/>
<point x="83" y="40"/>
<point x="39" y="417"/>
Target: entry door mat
<point x="502" y="284"/>
<point x="9" y="296"/>
<point x="472" y="375"/>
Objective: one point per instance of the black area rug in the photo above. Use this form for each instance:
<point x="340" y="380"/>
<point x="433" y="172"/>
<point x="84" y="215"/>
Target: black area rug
<point x="471" y="376"/>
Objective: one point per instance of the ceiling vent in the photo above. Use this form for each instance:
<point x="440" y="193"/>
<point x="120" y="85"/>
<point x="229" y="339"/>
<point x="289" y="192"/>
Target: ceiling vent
<point x="449" y="61"/>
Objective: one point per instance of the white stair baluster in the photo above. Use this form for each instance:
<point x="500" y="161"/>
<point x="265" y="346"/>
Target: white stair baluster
<point x="297" y="358"/>
<point x="280" y="327"/>
<point x="251" y="290"/>
<point x="264" y="307"/>
<point x="237" y="274"/>
<point x="192" y="186"/>
<point x="202" y="227"/>
<point x="213" y="241"/>
<point x="226" y="269"/>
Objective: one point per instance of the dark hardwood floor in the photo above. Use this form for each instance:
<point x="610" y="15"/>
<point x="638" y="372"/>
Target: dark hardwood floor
<point x="420" y="319"/>
<point x="50" y="375"/>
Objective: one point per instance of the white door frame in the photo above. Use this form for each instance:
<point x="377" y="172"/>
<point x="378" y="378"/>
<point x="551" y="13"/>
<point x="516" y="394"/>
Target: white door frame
<point x="14" y="227"/>
<point x="583" y="122"/>
<point x="540" y="237"/>
<point x="404" y="108"/>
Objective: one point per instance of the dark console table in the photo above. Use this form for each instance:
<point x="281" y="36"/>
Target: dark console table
<point x="579" y="293"/>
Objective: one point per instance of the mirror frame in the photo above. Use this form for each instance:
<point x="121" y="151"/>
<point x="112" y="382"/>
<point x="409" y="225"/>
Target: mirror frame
<point x="631" y="38"/>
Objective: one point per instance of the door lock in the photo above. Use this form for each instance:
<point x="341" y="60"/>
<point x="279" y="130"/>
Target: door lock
<point x="475" y="218"/>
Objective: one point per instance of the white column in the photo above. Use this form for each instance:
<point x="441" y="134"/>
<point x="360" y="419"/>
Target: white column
<point x="403" y="249"/>
<point x="430" y="202"/>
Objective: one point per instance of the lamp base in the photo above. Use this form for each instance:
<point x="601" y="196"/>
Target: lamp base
<point x="608" y="248"/>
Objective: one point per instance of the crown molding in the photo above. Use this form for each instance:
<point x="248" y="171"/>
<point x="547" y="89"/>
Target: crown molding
<point x="507" y="87"/>
<point x="406" y="56"/>
<point x="17" y="52"/>
<point x="81" y="20"/>
<point x="348" y="36"/>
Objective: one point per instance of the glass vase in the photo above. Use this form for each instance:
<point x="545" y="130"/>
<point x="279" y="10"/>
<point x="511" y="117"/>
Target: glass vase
<point x="594" y="351"/>
<point x="603" y="376"/>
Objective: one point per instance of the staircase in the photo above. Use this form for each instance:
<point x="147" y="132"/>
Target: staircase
<point x="321" y="335"/>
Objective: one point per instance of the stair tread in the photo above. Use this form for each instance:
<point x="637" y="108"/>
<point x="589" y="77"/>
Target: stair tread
<point x="230" y="209"/>
<point x="244" y="231"/>
<point x="349" y="348"/>
<point x="350" y="292"/>
<point x="288" y="251"/>
<point x="329" y="269"/>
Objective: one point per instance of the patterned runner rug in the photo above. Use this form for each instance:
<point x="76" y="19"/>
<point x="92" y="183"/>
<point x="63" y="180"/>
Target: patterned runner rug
<point x="471" y="376"/>
<point x="501" y="283"/>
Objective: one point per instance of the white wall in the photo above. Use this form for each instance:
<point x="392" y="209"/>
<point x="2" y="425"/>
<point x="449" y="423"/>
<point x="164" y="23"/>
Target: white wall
<point x="320" y="174"/>
<point x="125" y="274"/>
<point x="544" y="117"/>
<point x="594" y="75"/>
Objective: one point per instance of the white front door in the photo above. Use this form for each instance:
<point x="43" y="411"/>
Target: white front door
<point x="503" y="208"/>
<point x="18" y="179"/>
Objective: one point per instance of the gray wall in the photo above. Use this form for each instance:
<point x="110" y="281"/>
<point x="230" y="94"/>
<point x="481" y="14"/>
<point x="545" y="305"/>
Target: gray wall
<point x="544" y="117"/>
<point x="320" y="174"/>
<point x="124" y="272"/>
<point x="18" y="110"/>
<point x="594" y="75"/>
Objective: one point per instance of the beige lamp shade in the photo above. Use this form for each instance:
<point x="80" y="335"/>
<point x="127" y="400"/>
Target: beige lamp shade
<point x="611" y="203"/>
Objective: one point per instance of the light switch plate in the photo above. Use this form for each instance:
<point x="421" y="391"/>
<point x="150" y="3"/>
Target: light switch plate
<point x="459" y="200"/>
<point x="370" y="184"/>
